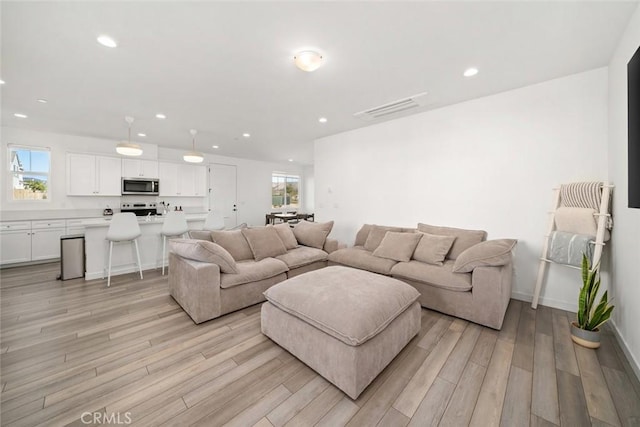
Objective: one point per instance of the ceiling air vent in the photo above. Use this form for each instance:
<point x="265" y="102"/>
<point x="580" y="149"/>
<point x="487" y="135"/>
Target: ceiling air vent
<point x="394" y="107"/>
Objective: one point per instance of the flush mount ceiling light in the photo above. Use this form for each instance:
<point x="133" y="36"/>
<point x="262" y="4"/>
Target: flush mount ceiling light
<point x="470" y="72"/>
<point x="322" y="120"/>
<point x="107" y="41"/>
<point x="128" y="148"/>
<point x="20" y="115"/>
<point x="160" y="116"/>
<point x="215" y="146"/>
<point x="42" y="101"/>
<point x="193" y="156"/>
<point x="308" y="60"/>
<point x="246" y="135"/>
<point x="1" y="82"/>
<point x="142" y="134"/>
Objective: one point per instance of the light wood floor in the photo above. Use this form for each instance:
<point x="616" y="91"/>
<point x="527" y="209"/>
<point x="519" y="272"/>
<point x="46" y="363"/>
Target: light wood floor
<point x="77" y="347"/>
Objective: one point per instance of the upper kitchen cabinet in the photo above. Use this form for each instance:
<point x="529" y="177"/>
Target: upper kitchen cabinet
<point x="89" y="175"/>
<point x="135" y="168"/>
<point x="182" y="180"/>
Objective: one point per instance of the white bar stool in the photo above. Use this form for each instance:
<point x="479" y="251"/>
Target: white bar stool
<point x="174" y="225"/>
<point x="123" y="228"/>
<point x="214" y="221"/>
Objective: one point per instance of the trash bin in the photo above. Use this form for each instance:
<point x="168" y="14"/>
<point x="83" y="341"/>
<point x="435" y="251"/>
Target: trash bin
<point x="72" y="256"/>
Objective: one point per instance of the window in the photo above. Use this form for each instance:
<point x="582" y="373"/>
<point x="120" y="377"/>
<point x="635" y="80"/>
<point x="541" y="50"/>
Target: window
<point x="29" y="169"/>
<point x="285" y="191"/>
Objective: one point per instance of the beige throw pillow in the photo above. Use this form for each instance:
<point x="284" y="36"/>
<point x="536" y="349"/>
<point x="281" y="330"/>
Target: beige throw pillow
<point x="433" y="249"/>
<point x="234" y="242"/>
<point x="312" y="234"/>
<point x="264" y="242"/>
<point x="286" y="235"/>
<point x="376" y="235"/>
<point x="201" y="250"/>
<point x="492" y="253"/>
<point x="464" y="238"/>
<point x="397" y="246"/>
<point x="200" y="235"/>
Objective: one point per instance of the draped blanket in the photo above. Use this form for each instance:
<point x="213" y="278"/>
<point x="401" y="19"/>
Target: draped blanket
<point x="567" y="248"/>
<point x="583" y="195"/>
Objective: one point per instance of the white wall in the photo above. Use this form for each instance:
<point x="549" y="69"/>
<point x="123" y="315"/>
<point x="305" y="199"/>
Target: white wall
<point x="253" y="177"/>
<point x="625" y="245"/>
<point x="488" y="164"/>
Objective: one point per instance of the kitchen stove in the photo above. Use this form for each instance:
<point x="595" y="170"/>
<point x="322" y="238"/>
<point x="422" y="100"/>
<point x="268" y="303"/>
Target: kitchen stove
<point x="140" y="209"/>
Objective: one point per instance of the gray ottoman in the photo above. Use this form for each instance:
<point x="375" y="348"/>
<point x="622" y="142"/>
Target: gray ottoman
<point x="345" y="324"/>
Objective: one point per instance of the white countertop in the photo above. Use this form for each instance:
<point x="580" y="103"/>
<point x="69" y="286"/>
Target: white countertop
<point x="35" y="215"/>
<point x="142" y="220"/>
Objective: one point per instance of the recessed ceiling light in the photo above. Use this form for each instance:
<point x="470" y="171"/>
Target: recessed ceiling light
<point x="216" y="146"/>
<point x="322" y="120"/>
<point x="160" y="116"/>
<point x="107" y="41"/>
<point x="291" y="160"/>
<point x="142" y="134"/>
<point x="1" y="82"/>
<point x="470" y="72"/>
<point x="20" y="115"/>
<point x="42" y="101"/>
<point x="246" y="135"/>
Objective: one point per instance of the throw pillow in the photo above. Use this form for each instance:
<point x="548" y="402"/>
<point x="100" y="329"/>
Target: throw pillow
<point x="397" y="246"/>
<point x="376" y="235"/>
<point x="200" y="235"/>
<point x="234" y="242"/>
<point x="492" y="253"/>
<point x="286" y="235"/>
<point x="201" y="250"/>
<point x="264" y="242"/>
<point x="433" y="249"/>
<point x="312" y="234"/>
<point x="464" y="238"/>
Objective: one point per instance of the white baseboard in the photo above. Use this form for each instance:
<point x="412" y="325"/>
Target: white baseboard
<point x="548" y="302"/>
<point x="633" y="361"/>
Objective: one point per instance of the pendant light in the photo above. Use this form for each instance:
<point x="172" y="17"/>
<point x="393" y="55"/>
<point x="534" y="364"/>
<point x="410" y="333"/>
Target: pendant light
<point x="128" y="148"/>
<point x="193" y="156"/>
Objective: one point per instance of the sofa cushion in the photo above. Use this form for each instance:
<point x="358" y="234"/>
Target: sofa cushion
<point x="201" y="250"/>
<point x="264" y="242"/>
<point x="312" y="234"/>
<point x="438" y="276"/>
<point x="351" y="305"/>
<point x="302" y="255"/>
<point x="464" y="238"/>
<point x="376" y="235"/>
<point x="433" y="249"/>
<point x="362" y="235"/>
<point x="234" y="242"/>
<point x="253" y="271"/>
<point x="286" y="235"/>
<point x="200" y="235"/>
<point x="359" y="257"/>
<point x="397" y="246"/>
<point x="492" y="253"/>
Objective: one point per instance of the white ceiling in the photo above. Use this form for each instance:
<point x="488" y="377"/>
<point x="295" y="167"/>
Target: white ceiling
<point x="227" y="68"/>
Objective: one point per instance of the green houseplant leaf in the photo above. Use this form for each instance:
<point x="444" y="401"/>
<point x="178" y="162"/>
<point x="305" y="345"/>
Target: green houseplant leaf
<point x="591" y="315"/>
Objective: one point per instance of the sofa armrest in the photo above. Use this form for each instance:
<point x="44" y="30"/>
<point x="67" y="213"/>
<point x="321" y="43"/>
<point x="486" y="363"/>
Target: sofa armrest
<point x="491" y="289"/>
<point x="195" y="285"/>
<point x="332" y="245"/>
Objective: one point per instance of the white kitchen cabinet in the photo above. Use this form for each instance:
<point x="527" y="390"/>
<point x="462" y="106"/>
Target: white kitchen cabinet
<point x="182" y="180"/>
<point x="74" y="226"/>
<point x="135" y="168"/>
<point x="15" y="242"/>
<point x="89" y="175"/>
<point x="45" y="239"/>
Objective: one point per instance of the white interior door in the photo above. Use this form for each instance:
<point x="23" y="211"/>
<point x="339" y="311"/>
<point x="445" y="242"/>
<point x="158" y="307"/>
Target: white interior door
<point x="223" y="192"/>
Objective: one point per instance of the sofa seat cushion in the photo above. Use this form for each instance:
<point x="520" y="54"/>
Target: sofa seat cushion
<point x="359" y="257"/>
<point x="440" y="276"/>
<point x="252" y="271"/>
<point x="302" y="255"/>
<point x="351" y="305"/>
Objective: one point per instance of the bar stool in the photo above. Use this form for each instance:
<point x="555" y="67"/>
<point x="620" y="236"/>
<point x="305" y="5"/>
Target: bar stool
<point x="174" y="225"/>
<point x="123" y="228"/>
<point x="214" y="221"/>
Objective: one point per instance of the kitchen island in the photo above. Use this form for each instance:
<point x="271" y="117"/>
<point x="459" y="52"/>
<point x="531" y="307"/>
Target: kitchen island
<point x="123" y="262"/>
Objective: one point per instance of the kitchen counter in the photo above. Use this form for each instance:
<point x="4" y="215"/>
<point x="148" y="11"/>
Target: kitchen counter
<point x="150" y="244"/>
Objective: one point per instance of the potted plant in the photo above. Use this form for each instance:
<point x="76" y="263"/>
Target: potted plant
<point x="585" y="331"/>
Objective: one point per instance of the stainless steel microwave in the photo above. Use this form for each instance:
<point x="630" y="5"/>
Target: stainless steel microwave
<point x="141" y="186"/>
